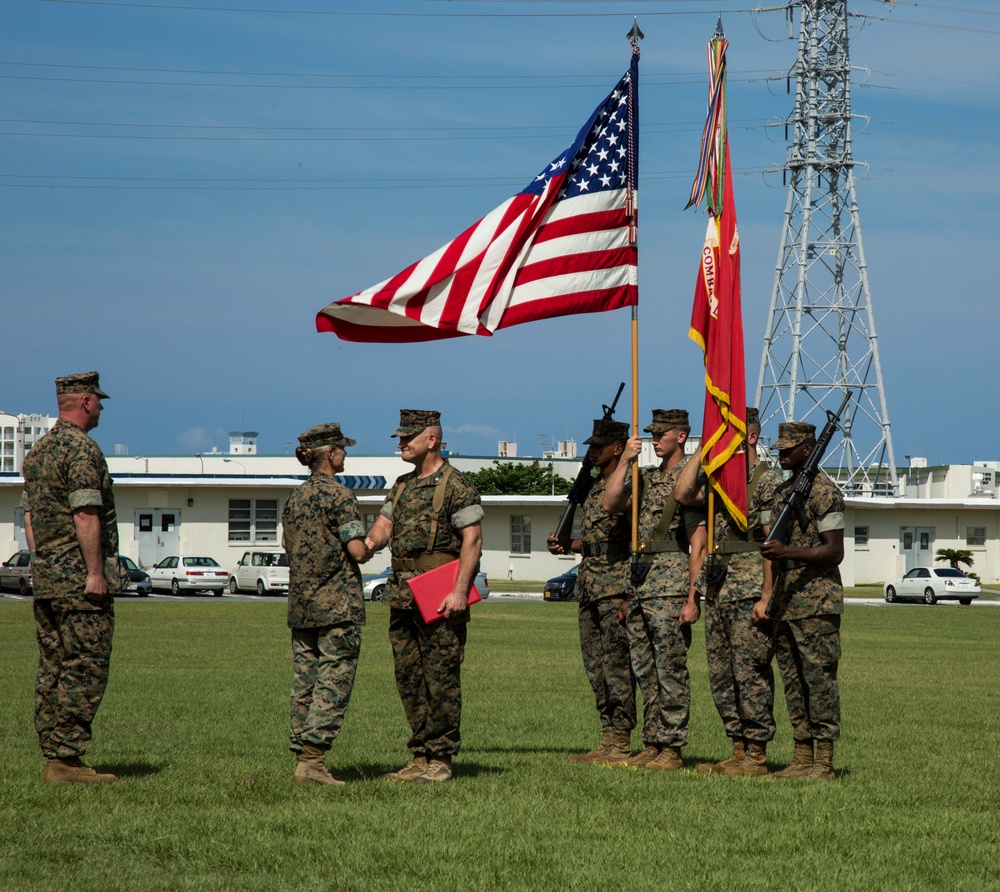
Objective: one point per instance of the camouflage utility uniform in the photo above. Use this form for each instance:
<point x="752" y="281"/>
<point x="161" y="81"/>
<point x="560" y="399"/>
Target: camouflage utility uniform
<point x="807" y="606"/>
<point x="428" y="658"/>
<point x="64" y="472"/>
<point x="740" y="651"/>
<point x="659" y="644"/>
<point x="602" y="585"/>
<point x="326" y="608"/>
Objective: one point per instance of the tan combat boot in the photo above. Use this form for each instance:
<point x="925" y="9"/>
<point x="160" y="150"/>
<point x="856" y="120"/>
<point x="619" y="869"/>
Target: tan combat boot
<point x="73" y="771"/>
<point x="639" y="760"/>
<point x="802" y="761"/>
<point x="619" y="751"/>
<point x="668" y="760"/>
<point x="739" y="752"/>
<point x="310" y="768"/>
<point x="595" y="755"/>
<point x="754" y="764"/>
<point x="416" y="767"/>
<point x="822" y="767"/>
<point x="438" y="770"/>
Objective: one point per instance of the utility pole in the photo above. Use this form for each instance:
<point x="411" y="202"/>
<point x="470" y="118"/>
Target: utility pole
<point x="820" y="338"/>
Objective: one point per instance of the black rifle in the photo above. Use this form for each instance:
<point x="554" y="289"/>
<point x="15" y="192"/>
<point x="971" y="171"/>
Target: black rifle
<point x="798" y="493"/>
<point x="581" y="486"/>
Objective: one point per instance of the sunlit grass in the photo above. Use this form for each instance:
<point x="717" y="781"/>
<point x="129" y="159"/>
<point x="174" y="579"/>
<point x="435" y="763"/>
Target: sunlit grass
<point x="194" y="723"/>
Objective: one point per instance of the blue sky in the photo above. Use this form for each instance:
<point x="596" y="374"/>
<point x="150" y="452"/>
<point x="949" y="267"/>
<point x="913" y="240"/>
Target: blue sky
<point x="184" y="187"/>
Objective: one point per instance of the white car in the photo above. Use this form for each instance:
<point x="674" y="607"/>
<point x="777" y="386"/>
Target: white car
<point x="177" y="574"/>
<point x="264" y="571"/>
<point x="933" y="584"/>
<point x="373" y="585"/>
<point x="15" y="573"/>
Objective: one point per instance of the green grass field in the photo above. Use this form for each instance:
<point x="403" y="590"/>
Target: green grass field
<point x="194" y="724"/>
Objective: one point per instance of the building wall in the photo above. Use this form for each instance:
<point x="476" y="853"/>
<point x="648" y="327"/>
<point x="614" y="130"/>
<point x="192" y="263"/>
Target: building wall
<point x="950" y="521"/>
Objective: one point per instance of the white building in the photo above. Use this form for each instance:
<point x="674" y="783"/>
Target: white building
<point x="219" y="505"/>
<point x="18" y="434"/>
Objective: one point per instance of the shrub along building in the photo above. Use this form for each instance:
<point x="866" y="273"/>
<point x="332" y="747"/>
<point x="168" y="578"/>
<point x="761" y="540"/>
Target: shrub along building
<point x="222" y="505"/>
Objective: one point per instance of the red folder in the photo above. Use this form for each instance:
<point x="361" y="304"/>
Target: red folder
<point x="432" y="587"/>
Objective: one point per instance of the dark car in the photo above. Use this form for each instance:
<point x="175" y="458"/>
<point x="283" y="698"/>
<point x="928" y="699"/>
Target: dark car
<point x="562" y="588"/>
<point x="135" y="580"/>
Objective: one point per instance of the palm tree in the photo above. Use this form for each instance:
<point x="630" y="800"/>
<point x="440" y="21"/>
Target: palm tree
<point x="955" y="556"/>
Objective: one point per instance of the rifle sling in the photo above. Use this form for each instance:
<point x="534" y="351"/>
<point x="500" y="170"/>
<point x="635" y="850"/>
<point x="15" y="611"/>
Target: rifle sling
<point x="659" y="543"/>
<point x="724" y="549"/>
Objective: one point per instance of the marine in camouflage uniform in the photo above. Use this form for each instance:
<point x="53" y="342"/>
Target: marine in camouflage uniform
<point x="807" y="607"/>
<point x="602" y="589"/>
<point x="663" y="605"/>
<point x="428" y="657"/>
<point x="739" y="637"/>
<point x="324" y="538"/>
<point x="73" y="533"/>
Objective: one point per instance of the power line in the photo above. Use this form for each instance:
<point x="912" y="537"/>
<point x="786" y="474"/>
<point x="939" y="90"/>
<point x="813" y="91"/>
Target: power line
<point x="648" y="82"/>
<point x="179" y="7"/>
<point x="54" y="181"/>
<point x="531" y="79"/>
<point x="357" y="76"/>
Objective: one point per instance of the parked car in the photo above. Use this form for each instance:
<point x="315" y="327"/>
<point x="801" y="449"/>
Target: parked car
<point x="15" y="573"/>
<point x="933" y="584"/>
<point x="176" y="573"/>
<point x="373" y="585"/>
<point x="135" y="580"/>
<point x="482" y="584"/>
<point x="265" y="571"/>
<point x="562" y="588"/>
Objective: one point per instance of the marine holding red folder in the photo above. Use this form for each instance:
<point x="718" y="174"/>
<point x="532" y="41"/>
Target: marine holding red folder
<point x="431" y="517"/>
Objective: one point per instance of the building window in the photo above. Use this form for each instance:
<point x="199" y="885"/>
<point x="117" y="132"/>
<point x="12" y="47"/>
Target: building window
<point x="520" y="534"/>
<point x="975" y="535"/>
<point x="253" y="520"/>
<point x="861" y="535"/>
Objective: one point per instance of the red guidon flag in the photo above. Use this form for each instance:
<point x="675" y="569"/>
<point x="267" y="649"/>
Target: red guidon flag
<point x="717" y="327"/>
<point x="565" y="244"/>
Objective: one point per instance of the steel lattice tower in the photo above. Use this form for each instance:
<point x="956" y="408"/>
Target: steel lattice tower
<point x="820" y="338"/>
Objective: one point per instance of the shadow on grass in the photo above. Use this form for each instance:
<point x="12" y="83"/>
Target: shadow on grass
<point x="772" y="768"/>
<point x="531" y="750"/>
<point x="130" y="769"/>
<point x="374" y="770"/>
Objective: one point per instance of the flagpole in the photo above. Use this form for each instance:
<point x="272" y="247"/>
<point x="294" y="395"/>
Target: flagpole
<point x="634" y="36"/>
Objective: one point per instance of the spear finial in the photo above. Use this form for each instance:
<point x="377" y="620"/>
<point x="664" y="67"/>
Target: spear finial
<point x="635" y="35"/>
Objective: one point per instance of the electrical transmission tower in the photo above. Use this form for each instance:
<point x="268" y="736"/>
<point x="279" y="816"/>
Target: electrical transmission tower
<point x="820" y="338"/>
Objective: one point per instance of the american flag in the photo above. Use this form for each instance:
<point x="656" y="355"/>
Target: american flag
<point x="565" y="244"/>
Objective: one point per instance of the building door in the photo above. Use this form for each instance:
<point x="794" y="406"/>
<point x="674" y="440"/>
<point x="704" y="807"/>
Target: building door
<point x="916" y="544"/>
<point x="157" y="530"/>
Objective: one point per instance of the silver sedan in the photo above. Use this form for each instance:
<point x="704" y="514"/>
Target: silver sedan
<point x="192" y="573"/>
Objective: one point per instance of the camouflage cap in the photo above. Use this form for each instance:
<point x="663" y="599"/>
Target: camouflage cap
<point x="607" y="432"/>
<point x="325" y="435"/>
<point x="753" y="416"/>
<point x="84" y="382"/>
<point x="791" y="433"/>
<point x="666" y="420"/>
<point x="413" y="421"/>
